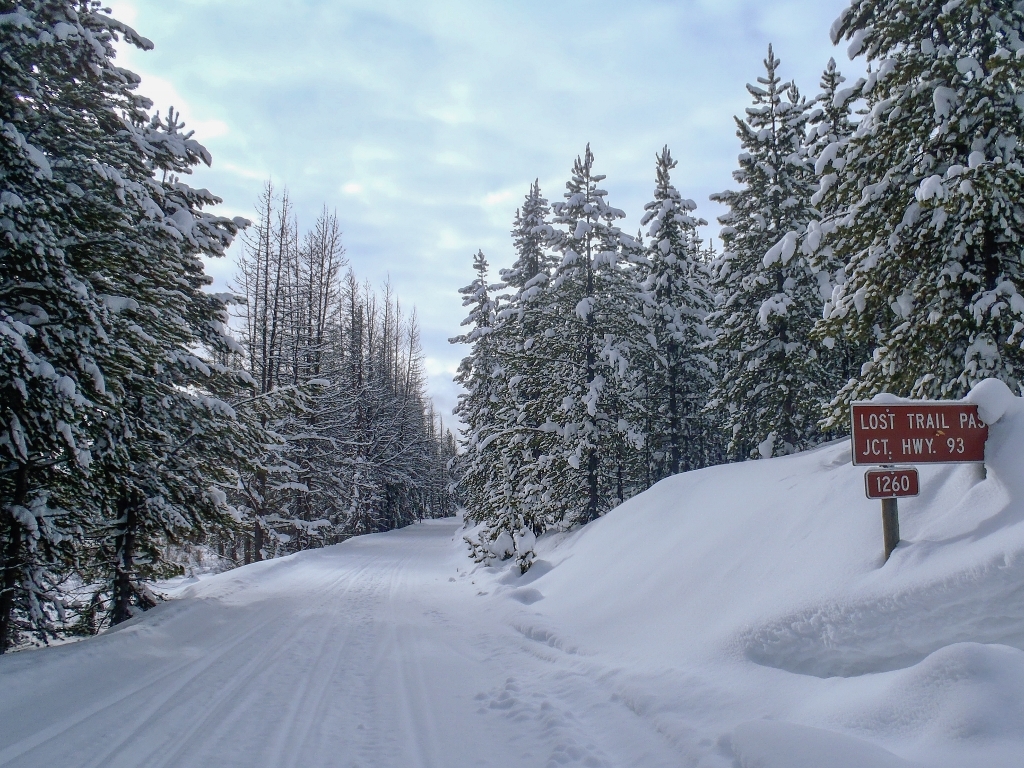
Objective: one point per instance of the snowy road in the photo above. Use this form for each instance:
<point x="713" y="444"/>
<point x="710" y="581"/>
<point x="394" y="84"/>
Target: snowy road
<point x="378" y="652"/>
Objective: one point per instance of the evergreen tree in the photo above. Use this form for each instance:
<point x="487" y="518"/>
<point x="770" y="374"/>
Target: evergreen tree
<point x="501" y="473"/>
<point x="144" y="429"/>
<point x="675" y="303"/>
<point x="587" y="343"/>
<point x="928" y="206"/>
<point x="476" y="405"/>
<point x="830" y="126"/>
<point x="177" y="433"/>
<point x="54" y="326"/>
<point x="525" y="374"/>
<point x="529" y="240"/>
<point x="771" y="383"/>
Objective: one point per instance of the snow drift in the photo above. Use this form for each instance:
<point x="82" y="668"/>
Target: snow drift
<point x="760" y="589"/>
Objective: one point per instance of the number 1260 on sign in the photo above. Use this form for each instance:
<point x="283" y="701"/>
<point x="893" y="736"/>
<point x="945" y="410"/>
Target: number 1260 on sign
<point x="892" y="483"/>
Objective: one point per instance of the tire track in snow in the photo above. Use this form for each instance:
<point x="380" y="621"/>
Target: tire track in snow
<point x="408" y="672"/>
<point x="207" y="721"/>
<point x="363" y="655"/>
<point x="57" y="730"/>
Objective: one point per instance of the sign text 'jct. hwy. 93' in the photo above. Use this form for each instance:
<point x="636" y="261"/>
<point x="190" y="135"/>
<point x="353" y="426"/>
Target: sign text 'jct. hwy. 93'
<point x="918" y="433"/>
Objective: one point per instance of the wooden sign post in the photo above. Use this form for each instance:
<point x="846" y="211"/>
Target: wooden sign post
<point x="889" y="485"/>
<point x="911" y="433"/>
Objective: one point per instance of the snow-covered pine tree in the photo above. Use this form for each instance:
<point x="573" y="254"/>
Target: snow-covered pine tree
<point x="528" y="238"/>
<point x="770" y="385"/>
<point x="524" y="374"/>
<point x="476" y="405"/>
<point x="586" y="342"/>
<point x="928" y="205"/>
<point x="180" y="443"/>
<point x="830" y="126"/>
<point x="130" y="236"/>
<point x="500" y="471"/>
<point x="675" y="301"/>
<point x="53" y="323"/>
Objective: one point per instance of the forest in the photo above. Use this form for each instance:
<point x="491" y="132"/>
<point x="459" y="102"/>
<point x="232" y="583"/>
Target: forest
<point x="872" y="244"/>
<point x="145" y="420"/>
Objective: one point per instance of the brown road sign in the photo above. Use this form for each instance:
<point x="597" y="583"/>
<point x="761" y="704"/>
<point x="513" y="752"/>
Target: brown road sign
<point x="892" y="483"/>
<point x="918" y="433"/>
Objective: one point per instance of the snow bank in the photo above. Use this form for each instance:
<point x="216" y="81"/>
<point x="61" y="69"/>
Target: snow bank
<point x="763" y="586"/>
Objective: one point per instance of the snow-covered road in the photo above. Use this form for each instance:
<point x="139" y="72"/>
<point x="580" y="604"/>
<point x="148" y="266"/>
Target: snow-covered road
<point x="378" y="652"/>
<point x="737" y="616"/>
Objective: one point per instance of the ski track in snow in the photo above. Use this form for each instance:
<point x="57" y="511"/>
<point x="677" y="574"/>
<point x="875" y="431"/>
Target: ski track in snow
<point x="363" y="654"/>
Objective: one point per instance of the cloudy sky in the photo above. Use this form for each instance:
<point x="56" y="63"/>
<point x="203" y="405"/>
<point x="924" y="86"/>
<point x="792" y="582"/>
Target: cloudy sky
<point x="423" y="123"/>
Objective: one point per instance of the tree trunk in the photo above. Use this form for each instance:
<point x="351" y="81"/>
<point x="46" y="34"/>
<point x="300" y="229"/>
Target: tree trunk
<point x="121" y="608"/>
<point x="257" y="541"/>
<point x="10" y="563"/>
<point x="592" y="491"/>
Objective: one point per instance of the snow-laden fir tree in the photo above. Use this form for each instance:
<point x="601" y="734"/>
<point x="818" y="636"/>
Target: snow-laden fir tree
<point x="147" y="461"/>
<point x="524" y="374"/>
<point x="528" y="238"/>
<point x="928" y="201"/>
<point x="586" y="343"/>
<point x="770" y="383"/>
<point x="180" y="443"/>
<point x="675" y="301"/>
<point x="54" y="326"/>
<point x="481" y="469"/>
<point x="830" y="125"/>
<point x="502" y="473"/>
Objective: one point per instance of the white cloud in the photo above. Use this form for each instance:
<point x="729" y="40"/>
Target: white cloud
<point x="424" y="123"/>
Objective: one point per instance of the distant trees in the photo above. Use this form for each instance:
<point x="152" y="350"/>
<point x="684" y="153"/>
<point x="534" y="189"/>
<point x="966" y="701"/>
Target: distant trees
<point x="587" y="364"/>
<point x="336" y="377"/>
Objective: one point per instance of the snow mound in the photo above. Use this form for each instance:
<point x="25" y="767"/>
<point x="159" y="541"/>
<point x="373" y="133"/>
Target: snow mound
<point x="889" y="631"/>
<point x="776" y="565"/>
<point x="772" y="744"/>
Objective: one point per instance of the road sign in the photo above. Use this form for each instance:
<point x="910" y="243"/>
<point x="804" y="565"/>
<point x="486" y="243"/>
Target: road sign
<point x="892" y="483"/>
<point x="925" y="432"/>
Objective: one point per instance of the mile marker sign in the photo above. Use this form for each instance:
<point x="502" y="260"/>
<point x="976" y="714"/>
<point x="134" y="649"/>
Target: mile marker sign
<point x="892" y="483"/>
<point x="918" y="433"/>
<point x="923" y="432"/>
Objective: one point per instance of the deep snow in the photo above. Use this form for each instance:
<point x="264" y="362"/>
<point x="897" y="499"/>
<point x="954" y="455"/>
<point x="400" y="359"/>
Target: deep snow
<point x="736" y="616"/>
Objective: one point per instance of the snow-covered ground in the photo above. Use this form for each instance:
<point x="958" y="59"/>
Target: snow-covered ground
<point x="736" y="616"/>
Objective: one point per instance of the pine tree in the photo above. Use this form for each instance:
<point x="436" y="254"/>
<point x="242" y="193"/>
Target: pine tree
<point x="524" y="374"/>
<point x="476" y="405"/>
<point x="587" y="341"/>
<point x="528" y="238"/>
<point x="145" y="430"/>
<point x="771" y="382"/>
<point x="54" y="326"/>
<point x="830" y="127"/>
<point x="928" y="213"/>
<point x="675" y="303"/>
<point x="178" y="435"/>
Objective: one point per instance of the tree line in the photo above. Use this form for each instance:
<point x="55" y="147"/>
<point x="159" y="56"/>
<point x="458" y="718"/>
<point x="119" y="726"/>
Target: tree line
<point x="134" y="422"/>
<point x="873" y="242"/>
